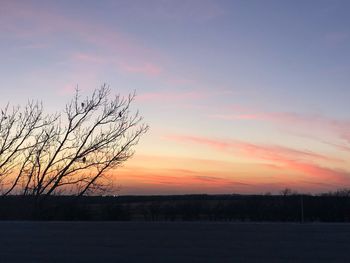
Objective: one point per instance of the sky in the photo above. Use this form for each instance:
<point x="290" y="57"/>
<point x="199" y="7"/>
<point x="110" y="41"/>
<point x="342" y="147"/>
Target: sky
<point x="241" y="96"/>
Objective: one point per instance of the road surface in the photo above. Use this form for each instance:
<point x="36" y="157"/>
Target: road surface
<point x="173" y="242"/>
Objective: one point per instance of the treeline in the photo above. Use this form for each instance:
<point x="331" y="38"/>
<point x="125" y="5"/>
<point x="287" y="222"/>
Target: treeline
<point x="331" y="207"/>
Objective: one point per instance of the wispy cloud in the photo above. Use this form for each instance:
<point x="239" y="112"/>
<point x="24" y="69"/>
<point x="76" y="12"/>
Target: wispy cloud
<point x="30" y="22"/>
<point x="267" y="152"/>
<point x="104" y="47"/>
<point x="173" y="180"/>
<point x="340" y="127"/>
<point x="341" y="147"/>
<point x="286" y="158"/>
<point x="144" y="180"/>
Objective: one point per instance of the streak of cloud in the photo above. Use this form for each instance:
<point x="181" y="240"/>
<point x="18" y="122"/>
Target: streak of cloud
<point x="286" y="158"/>
<point x="340" y="127"/>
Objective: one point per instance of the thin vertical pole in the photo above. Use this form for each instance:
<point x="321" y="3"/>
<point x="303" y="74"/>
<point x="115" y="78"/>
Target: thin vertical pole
<point x="301" y="209"/>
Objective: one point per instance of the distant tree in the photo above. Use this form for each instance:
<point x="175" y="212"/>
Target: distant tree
<point x="288" y="191"/>
<point x="73" y="151"/>
<point x="343" y="192"/>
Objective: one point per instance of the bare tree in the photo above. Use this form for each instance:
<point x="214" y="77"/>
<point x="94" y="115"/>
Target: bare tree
<point x="17" y="128"/>
<point x="73" y="152"/>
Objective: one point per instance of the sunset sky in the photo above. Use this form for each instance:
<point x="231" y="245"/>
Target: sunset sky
<point x="241" y="96"/>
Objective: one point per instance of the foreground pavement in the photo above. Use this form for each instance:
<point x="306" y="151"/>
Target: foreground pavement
<point x="173" y="242"/>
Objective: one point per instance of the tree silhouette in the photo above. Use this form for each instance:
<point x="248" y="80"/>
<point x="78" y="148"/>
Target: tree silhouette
<point x="17" y="128"/>
<point x="287" y="191"/>
<point x="70" y="152"/>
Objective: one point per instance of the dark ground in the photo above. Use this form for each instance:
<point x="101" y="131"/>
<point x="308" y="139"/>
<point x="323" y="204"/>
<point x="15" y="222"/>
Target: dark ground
<point x="235" y="208"/>
<point x="173" y="242"/>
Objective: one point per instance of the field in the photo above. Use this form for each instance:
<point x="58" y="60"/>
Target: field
<point x="173" y="242"/>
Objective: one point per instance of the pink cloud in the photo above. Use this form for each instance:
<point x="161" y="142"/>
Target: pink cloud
<point x="193" y="178"/>
<point x="325" y="174"/>
<point x="122" y="51"/>
<point x="180" y="180"/>
<point x="286" y="158"/>
<point x="28" y="21"/>
<point x="295" y="120"/>
<point x="191" y="175"/>
<point x="267" y="152"/>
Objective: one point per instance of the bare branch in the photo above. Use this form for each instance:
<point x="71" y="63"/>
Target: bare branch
<point x="73" y="150"/>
